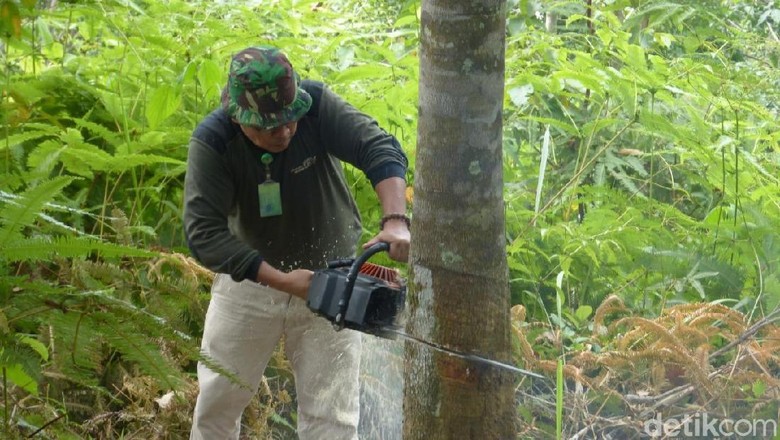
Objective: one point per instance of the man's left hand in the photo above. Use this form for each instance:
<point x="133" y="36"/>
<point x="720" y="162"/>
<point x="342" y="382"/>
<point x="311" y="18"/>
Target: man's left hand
<point x="397" y="235"/>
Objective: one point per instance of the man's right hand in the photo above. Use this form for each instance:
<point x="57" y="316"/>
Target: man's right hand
<point x="295" y="282"/>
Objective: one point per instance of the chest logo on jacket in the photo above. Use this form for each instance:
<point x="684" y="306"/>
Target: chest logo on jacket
<point x="307" y="163"/>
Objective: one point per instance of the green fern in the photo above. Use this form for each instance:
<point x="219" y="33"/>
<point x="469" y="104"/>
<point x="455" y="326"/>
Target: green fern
<point x="45" y="156"/>
<point x="127" y="161"/>
<point x="87" y="332"/>
<point x="44" y="249"/>
<point x="83" y="328"/>
<point x="111" y="137"/>
<point x="22" y="212"/>
<point x="19" y="138"/>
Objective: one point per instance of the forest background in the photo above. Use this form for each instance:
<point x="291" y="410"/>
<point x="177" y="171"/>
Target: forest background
<point x="641" y="164"/>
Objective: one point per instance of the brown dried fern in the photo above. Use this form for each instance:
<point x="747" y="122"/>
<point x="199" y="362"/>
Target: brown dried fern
<point x="642" y="331"/>
<point x="659" y="364"/>
<point x="612" y="304"/>
<point x="190" y="269"/>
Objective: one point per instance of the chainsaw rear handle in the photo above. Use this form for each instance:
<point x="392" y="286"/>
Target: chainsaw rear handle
<point x="352" y="275"/>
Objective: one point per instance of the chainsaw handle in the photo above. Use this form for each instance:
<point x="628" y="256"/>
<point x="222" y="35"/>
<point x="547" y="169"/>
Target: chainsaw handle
<point x="344" y="262"/>
<point x="369" y="252"/>
<point x="352" y="275"/>
<point x="373" y="249"/>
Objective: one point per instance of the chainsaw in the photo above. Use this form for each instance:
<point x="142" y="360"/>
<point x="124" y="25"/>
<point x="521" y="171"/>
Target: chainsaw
<point x="352" y="293"/>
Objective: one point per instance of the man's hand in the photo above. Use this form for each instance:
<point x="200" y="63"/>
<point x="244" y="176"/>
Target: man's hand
<point x="392" y="196"/>
<point x="397" y="235"/>
<point x="295" y="282"/>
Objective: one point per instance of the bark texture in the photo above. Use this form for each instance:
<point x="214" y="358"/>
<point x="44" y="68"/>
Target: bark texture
<point x="459" y="295"/>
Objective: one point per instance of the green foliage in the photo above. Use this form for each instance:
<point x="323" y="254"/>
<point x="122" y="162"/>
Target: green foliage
<point x="641" y="147"/>
<point x="660" y="180"/>
<point x="59" y="324"/>
<point x="662" y="183"/>
<point x="99" y="102"/>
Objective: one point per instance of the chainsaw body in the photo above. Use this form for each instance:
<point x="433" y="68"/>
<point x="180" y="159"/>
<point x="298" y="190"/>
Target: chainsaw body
<point x="348" y="296"/>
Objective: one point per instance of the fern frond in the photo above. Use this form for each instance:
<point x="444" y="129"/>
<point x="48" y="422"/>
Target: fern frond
<point x="106" y="273"/>
<point x="528" y="357"/>
<point x="691" y="335"/>
<point x="45" y="155"/>
<point x="17" y="353"/>
<point x="627" y="182"/>
<point x="22" y="213"/>
<point x="86" y="326"/>
<point x="711" y="312"/>
<point x="83" y="276"/>
<point x="188" y="267"/>
<point x="758" y="358"/>
<point x="14" y="199"/>
<point x="126" y="161"/>
<point x="84" y="158"/>
<point x="635" y="164"/>
<point x="645" y="328"/>
<point x="675" y="354"/>
<point x="136" y="347"/>
<point x="710" y="321"/>
<point x="214" y="366"/>
<point x="75" y="352"/>
<point x="692" y="309"/>
<point x="42" y="249"/>
<point x="109" y="136"/>
<point x="659" y="357"/>
<point x="18" y="138"/>
<point x="611" y="304"/>
<point x="518" y="313"/>
<point x="772" y="340"/>
<point x="585" y="359"/>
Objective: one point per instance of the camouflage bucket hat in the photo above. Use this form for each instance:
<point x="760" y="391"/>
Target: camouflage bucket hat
<point x="262" y="89"/>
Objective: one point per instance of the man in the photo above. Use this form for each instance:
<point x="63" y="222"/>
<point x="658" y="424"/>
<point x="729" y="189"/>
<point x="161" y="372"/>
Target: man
<point x="266" y="202"/>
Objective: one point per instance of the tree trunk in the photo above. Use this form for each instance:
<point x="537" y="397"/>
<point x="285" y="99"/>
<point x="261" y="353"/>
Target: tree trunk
<point x="458" y="294"/>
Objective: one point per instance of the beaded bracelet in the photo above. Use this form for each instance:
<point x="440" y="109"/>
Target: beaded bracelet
<point x="387" y="217"/>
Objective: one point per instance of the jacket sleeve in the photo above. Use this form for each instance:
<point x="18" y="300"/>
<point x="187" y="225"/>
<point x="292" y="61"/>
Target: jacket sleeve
<point x="208" y="199"/>
<point x="356" y="138"/>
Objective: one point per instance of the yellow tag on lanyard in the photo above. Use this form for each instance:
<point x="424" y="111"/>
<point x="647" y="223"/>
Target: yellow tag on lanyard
<point x="269" y="193"/>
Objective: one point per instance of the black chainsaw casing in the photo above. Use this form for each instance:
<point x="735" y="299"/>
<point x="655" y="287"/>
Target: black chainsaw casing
<point x="369" y="306"/>
<point x="373" y="304"/>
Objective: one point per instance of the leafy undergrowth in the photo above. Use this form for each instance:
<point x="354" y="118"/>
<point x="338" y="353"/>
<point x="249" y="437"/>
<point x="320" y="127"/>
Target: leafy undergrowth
<point x="140" y="409"/>
<point x="627" y="373"/>
<point x="659" y="118"/>
<point x="151" y="413"/>
<point x="102" y="350"/>
<point x="693" y="364"/>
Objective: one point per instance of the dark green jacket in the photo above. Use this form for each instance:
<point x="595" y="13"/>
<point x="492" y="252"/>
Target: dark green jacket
<point x="320" y="220"/>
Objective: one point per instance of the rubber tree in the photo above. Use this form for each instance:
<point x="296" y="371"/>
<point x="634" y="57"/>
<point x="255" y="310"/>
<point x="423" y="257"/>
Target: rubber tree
<point x="458" y="289"/>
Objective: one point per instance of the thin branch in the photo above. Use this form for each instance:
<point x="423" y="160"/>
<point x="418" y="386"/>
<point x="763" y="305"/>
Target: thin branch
<point x="582" y="170"/>
<point x="772" y="32"/>
<point x="747" y="334"/>
<point x="45" y="425"/>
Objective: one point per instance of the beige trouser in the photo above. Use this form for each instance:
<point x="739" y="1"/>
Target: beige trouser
<point x="244" y="323"/>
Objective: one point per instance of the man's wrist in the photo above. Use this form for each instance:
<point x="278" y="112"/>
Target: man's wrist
<point x="395" y="217"/>
<point x="270" y="276"/>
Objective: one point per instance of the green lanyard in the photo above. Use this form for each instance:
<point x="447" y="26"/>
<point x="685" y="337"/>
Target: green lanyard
<point x="269" y="193"/>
